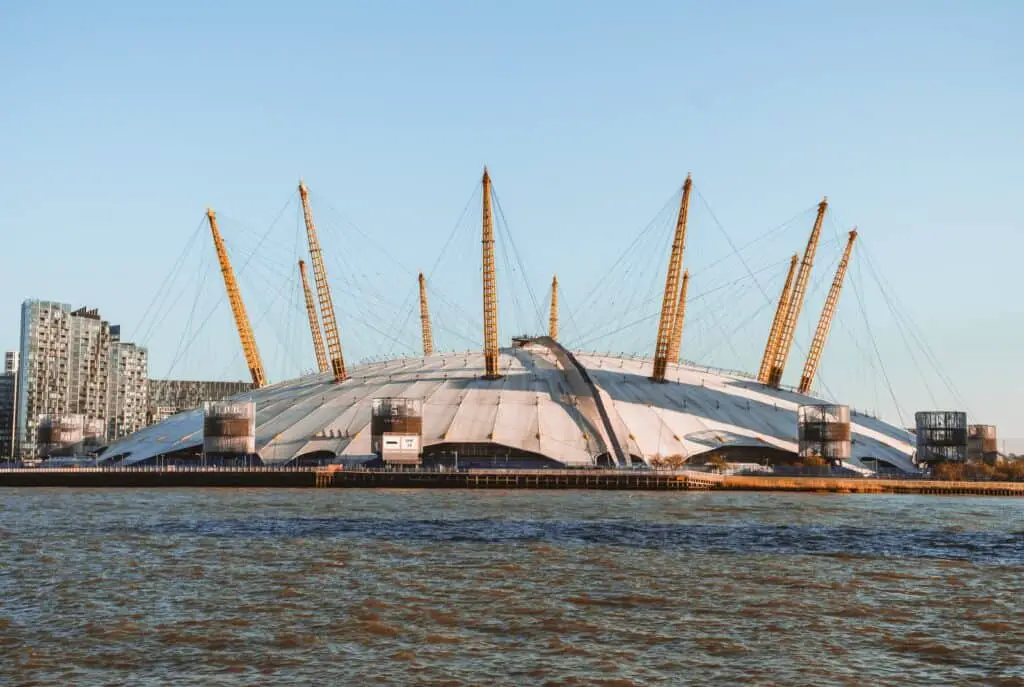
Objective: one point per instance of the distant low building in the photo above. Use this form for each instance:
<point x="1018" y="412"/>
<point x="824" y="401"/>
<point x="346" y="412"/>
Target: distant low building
<point x="169" y="397"/>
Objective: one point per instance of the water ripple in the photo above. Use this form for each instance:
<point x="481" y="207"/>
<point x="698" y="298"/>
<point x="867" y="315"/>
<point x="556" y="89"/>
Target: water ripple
<point x="240" y="587"/>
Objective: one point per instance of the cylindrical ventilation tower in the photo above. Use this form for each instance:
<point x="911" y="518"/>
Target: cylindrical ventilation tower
<point x="58" y="435"/>
<point x="824" y="432"/>
<point x="229" y="428"/>
<point x="941" y="436"/>
<point x="396" y="430"/>
<point x="982" y="443"/>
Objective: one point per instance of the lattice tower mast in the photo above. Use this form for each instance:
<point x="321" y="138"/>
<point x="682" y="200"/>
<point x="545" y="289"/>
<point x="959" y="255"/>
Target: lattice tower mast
<point x="825" y="322"/>
<point x="666" y="323"/>
<point x="428" y="336"/>
<point x="553" y="318"/>
<point x="676" y="342"/>
<point x="314" y="322"/>
<point x="772" y="346"/>
<point x="797" y="301"/>
<point x="323" y="291"/>
<point x="490" y="285"/>
<point x="249" y="349"/>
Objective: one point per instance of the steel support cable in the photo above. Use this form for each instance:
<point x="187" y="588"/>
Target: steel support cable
<point x="878" y="354"/>
<point x="645" y="264"/>
<point x="919" y="337"/>
<point x="865" y="355"/>
<point x="673" y="200"/>
<point x="409" y="305"/>
<point x="300" y="295"/>
<point x="906" y="343"/>
<point x="289" y="334"/>
<point x="474" y="325"/>
<point x="220" y="300"/>
<point x="612" y="310"/>
<point x="857" y="284"/>
<point x="287" y="286"/>
<point x="164" y="289"/>
<point x="692" y="301"/>
<point x="509" y="277"/>
<point x="329" y="227"/>
<point x="638" y="280"/>
<point x="733" y="298"/>
<point x="466" y="252"/>
<point x="441" y="326"/>
<point x="820" y="377"/>
<point x="837" y="236"/>
<point x="563" y="307"/>
<point x="732" y="245"/>
<point x="705" y="270"/>
<point x="728" y="339"/>
<point x="199" y="280"/>
<point x="259" y="320"/>
<point x="634" y="323"/>
<point x="369" y="325"/>
<point x="896" y="307"/>
<point x="234" y="224"/>
<point x="503" y="227"/>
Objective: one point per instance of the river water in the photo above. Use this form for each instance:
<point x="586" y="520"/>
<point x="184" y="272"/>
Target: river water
<point x="335" y="587"/>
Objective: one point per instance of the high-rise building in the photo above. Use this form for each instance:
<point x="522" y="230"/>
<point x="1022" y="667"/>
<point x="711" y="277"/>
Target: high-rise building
<point x="73" y="363"/>
<point x="127" y="388"/>
<point x="8" y="404"/>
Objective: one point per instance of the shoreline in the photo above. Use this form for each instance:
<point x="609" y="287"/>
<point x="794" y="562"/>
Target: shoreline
<point x="636" y="480"/>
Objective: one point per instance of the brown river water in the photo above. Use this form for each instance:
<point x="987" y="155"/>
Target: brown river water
<point x="337" y="587"/>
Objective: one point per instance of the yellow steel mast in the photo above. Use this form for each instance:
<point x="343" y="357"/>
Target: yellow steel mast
<point x="666" y="324"/>
<point x="252" y="354"/>
<point x="797" y="300"/>
<point x="314" y="322"/>
<point x="553" y="318"/>
<point x="825" y="323"/>
<point x="772" y="346"/>
<point x="323" y="291"/>
<point x="490" y="285"/>
<point x="675" y="343"/>
<point x="428" y="336"/>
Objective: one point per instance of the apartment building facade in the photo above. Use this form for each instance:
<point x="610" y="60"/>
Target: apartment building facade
<point x="72" y="362"/>
<point x="8" y="404"/>
<point x="127" y="387"/>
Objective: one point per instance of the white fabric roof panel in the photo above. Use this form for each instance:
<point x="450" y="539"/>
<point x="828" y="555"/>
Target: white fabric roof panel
<point x="530" y="408"/>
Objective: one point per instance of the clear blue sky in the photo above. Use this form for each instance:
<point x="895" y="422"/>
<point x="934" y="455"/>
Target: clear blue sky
<point x="120" y="122"/>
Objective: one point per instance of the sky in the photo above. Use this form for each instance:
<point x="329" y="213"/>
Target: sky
<point x="121" y="122"/>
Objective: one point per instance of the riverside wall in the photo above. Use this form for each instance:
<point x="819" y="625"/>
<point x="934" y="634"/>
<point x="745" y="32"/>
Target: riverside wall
<point x="643" y="480"/>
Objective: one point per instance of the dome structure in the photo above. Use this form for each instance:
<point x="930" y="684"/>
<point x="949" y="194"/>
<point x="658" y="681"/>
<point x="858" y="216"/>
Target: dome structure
<point x="536" y="402"/>
<point x="548" y="407"/>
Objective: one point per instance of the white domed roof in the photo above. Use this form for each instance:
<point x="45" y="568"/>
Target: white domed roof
<point x="534" y="407"/>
